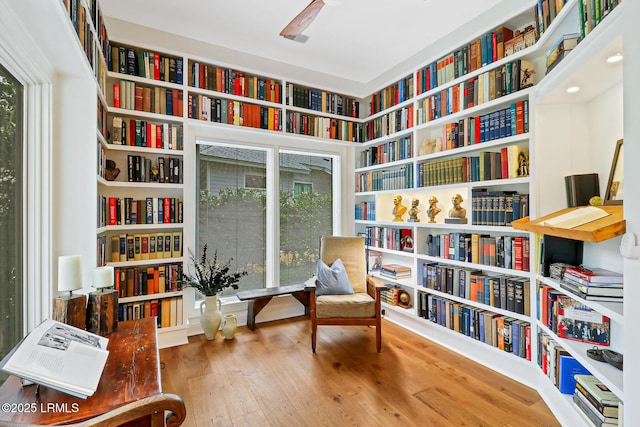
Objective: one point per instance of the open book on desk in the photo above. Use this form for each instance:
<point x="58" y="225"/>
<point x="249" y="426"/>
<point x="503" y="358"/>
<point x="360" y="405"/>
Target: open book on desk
<point x="59" y="356"/>
<point x="576" y="217"/>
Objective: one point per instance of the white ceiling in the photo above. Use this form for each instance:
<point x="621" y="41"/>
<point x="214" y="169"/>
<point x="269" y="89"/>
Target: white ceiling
<point x="358" y="41"/>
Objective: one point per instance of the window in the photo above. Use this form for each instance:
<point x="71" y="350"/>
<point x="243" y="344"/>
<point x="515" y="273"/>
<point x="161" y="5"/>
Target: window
<point x="255" y="181"/>
<point x="239" y="201"/>
<point x="306" y="183"/>
<point x="232" y="215"/>
<point x="11" y="218"/>
<point x="302" y="187"/>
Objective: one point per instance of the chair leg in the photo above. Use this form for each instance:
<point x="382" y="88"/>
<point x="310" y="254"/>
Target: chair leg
<point x="314" y="331"/>
<point x="379" y="338"/>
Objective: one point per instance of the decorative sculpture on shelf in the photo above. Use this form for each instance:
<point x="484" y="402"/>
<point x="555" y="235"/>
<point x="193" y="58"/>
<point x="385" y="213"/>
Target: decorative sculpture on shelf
<point x="111" y="171"/>
<point x="433" y="209"/>
<point x="457" y="214"/>
<point x="398" y="208"/>
<point x="413" y="212"/>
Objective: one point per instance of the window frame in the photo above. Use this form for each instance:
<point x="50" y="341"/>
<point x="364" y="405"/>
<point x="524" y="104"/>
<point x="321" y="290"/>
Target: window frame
<point x="26" y="62"/>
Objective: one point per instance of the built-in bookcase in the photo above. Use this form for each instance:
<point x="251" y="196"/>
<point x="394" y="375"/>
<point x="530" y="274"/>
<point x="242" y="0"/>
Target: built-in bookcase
<point x="476" y="133"/>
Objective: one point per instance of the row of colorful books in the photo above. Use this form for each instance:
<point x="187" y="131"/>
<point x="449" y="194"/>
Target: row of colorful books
<point x="144" y="246"/>
<point x="166" y="170"/>
<point x="168" y="311"/>
<point x="151" y="210"/>
<point x="391" y="151"/>
<point x="143" y="63"/>
<point x="506" y="292"/>
<point x="158" y="279"/>
<point x="221" y="110"/>
<point x="506" y="333"/>
<point x="571" y="319"/>
<point x="398" y="178"/>
<point x="510" y="252"/>
<point x="497" y="124"/>
<point x="233" y="82"/>
<point x="159" y="100"/>
<point x="323" y="127"/>
<point x="498" y="208"/>
<point x="323" y="101"/>
<point x="366" y="211"/>
<point x="390" y="123"/>
<point x="509" y="162"/>
<point x="398" y="239"/>
<point x="141" y="133"/>
<point x="392" y="95"/>
<point x="507" y="79"/>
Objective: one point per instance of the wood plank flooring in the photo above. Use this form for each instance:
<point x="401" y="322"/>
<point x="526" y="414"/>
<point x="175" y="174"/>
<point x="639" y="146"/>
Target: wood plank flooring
<point x="270" y="377"/>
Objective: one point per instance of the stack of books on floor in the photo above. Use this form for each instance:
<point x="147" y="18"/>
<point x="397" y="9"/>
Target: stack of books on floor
<point x="595" y="284"/>
<point x="596" y="402"/>
<point x="395" y="271"/>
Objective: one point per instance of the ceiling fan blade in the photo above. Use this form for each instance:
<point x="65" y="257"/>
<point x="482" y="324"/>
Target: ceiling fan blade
<point x="303" y="19"/>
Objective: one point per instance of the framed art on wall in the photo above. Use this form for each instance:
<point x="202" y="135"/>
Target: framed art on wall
<point x="615" y="186"/>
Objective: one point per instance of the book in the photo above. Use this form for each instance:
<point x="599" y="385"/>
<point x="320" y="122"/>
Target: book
<point x="568" y="367"/>
<point x="595" y="275"/>
<point x="598" y="394"/>
<point x="576" y="217"/>
<point x="591" y="413"/>
<point x="59" y="356"/>
<point x="576" y="321"/>
<point x="581" y="188"/>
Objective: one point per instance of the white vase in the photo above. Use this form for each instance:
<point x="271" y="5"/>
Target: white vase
<point x="229" y="326"/>
<point x="210" y="316"/>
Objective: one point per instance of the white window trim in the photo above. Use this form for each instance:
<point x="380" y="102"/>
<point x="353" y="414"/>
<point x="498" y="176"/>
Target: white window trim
<point x="26" y="62"/>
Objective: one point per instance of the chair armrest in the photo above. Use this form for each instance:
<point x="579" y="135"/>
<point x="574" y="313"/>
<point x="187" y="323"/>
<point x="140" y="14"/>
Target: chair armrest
<point x="375" y="286"/>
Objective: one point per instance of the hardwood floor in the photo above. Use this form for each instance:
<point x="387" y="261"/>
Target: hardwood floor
<point x="270" y="377"/>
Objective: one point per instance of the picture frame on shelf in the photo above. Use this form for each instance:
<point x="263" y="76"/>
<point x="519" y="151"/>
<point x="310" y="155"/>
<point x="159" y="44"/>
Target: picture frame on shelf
<point x="615" y="186"/>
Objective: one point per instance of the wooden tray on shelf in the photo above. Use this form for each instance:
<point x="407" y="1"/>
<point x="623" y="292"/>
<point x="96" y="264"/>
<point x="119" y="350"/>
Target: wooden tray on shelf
<point x="594" y="231"/>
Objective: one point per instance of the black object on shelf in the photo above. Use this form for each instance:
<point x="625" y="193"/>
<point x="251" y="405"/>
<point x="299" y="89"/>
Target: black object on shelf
<point x="581" y="188"/>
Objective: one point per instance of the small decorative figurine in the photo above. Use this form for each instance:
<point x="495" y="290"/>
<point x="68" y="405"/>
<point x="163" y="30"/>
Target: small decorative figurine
<point x="433" y="209"/>
<point x="413" y="212"/>
<point x="111" y="172"/>
<point x="398" y="208"/>
<point x="457" y="214"/>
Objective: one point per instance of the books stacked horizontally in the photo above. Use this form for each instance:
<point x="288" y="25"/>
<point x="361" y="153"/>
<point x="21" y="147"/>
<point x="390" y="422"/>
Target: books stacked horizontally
<point x="395" y="271"/>
<point x="560" y="49"/>
<point x="595" y="284"/>
<point x="596" y="402"/>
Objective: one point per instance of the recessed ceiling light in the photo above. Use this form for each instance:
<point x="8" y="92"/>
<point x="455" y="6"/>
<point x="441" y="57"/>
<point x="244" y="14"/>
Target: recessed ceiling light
<point x="614" y="58"/>
<point x="573" y="89"/>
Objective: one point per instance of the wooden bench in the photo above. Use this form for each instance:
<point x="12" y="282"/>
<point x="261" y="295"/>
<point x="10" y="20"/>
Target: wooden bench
<point x="259" y="298"/>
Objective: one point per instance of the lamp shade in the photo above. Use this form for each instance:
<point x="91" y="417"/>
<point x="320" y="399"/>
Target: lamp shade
<point x="103" y="277"/>
<point x="69" y="272"/>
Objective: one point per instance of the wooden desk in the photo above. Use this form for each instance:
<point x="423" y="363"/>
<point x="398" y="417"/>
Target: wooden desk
<point x="130" y="388"/>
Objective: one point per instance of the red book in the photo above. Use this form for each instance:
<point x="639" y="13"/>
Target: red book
<point x="528" y="342"/>
<point x="116" y="95"/>
<point x="167" y="210"/>
<point x="518" y="252"/>
<point x="159" y="143"/>
<point x="595" y="275"/>
<point x="113" y="212"/>
<point x="504" y="162"/>
<point x="156" y="66"/>
<point x="494" y="47"/>
<point x="519" y="117"/>
<point x="174" y="104"/>
<point x="132" y="132"/>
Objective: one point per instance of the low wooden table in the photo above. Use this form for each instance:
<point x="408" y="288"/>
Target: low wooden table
<point x="129" y="389"/>
<point x="259" y="298"/>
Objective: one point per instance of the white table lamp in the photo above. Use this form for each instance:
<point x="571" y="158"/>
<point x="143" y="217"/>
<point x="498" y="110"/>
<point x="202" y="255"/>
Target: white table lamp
<point x="70" y="309"/>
